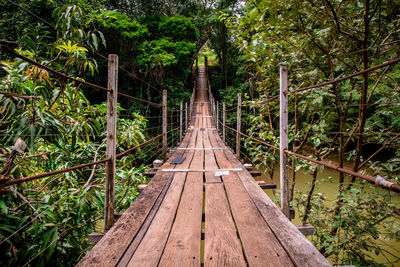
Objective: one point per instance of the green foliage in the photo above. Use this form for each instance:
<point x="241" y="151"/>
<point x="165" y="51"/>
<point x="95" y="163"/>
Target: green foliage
<point x="163" y="52"/>
<point x="75" y="22"/>
<point x="54" y="215"/>
<point x="128" y="28"/>
<point x="366" y="217"/>
<point x="306" y="37"/>
<point x="179" y="28"/>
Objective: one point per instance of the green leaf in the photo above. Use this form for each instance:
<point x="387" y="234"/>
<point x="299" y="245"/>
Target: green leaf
<point x="3" y="207"/>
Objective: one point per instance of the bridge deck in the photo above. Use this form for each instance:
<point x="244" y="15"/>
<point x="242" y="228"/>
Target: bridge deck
<point x="210" y="192"/>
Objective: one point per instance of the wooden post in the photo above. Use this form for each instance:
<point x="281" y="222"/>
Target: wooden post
<point x="112" y="94"/>
<point x="206" y="64"/>
<point x="186" y="116"/>
<point x="164" y="124"/>
<point x="215" y="111"/>
<point x="238" y="124"/>
<point x="223" y="120"/>
<point x="212" y="108"/>
<point x="180" y="121"/>
<point x="217" y="117"/>
<point x="284" y="167"/>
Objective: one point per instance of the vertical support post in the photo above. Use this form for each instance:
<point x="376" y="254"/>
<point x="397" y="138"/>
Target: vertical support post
<point x="206" y="65"/>
<point x="215" y="111"/>
<point x="164" y="124"/>
<point x="186" y="116"/>
<point x="238" y="124"/>
<point x="180" y="121"/>
<point x="212" y="108"/>
<point x="217" y="120"/>
<point x="112" y="94"/>
<point x="283" y="129"/>
<point x="223" y="121"/>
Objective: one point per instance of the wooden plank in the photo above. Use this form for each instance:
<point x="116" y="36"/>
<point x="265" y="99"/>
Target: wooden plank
<point x="184" y="240"/>
<point x="259" y="243"/>
<point x="146" y="224"/>
<point x="209" y="161"/>
<point x="109" y="250"/>
<point x="264" y="185"/>
<point x="221" y="245"/>
<point x="149" y="220"/>
<point x="306" y="230"/>
<point x="112" y="246"/>
<point x="152" y="245"/>
<point x="95" y="237"/>
<point x="183" y="245"/>
<point x="299" y="248"/>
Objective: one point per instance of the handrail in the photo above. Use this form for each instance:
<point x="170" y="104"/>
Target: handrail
<point x="65" y="76"/>
<point x="47" y="174"/>
<point x="377" y="181"/>
<point x="146" y="142"/>
<point x="388" y="63"/>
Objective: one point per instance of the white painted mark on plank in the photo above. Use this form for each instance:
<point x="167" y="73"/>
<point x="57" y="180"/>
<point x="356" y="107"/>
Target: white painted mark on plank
<point x="219" y="173"/>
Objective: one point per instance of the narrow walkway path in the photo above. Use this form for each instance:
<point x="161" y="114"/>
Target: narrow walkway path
<point x="207" y="210"/>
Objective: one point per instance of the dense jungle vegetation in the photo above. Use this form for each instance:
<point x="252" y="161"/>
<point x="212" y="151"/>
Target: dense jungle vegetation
<point x="354" y="123"/>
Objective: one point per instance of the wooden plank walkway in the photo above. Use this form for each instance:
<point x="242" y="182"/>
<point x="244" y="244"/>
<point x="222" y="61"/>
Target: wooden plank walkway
<point x="241" y="225"/>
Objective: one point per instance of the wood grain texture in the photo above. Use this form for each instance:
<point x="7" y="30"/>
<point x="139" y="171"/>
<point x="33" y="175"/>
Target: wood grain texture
<point x="112" y="85"/>
<point x="221" y="244"/>
<point x="183" y="246"/>
<point x="259" y="243"/>
<point x="111" y="247"/>
<point x="243" y="227"/>
<point x="300" y="250"/>
<point x="284" y="139"/>
<point x="145" y="237"/>
<point x="152" y="245"/>
<point x="209" y="161"/>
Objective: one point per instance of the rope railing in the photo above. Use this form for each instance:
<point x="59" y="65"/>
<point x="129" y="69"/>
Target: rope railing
<point x="130" y="74"/>
<point x="388" y="63"/>
<point x="284" y="92"/>
<point x="58" y="73"/>
<point x="146" y="142"/>
<point x="65" y="76"/>
<point x="47" y="174"/>
<point x="112" y="91"/>
<point x="81" y="166"/>
<point x="319" y="85"/>
<point x="377" y="181"/>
